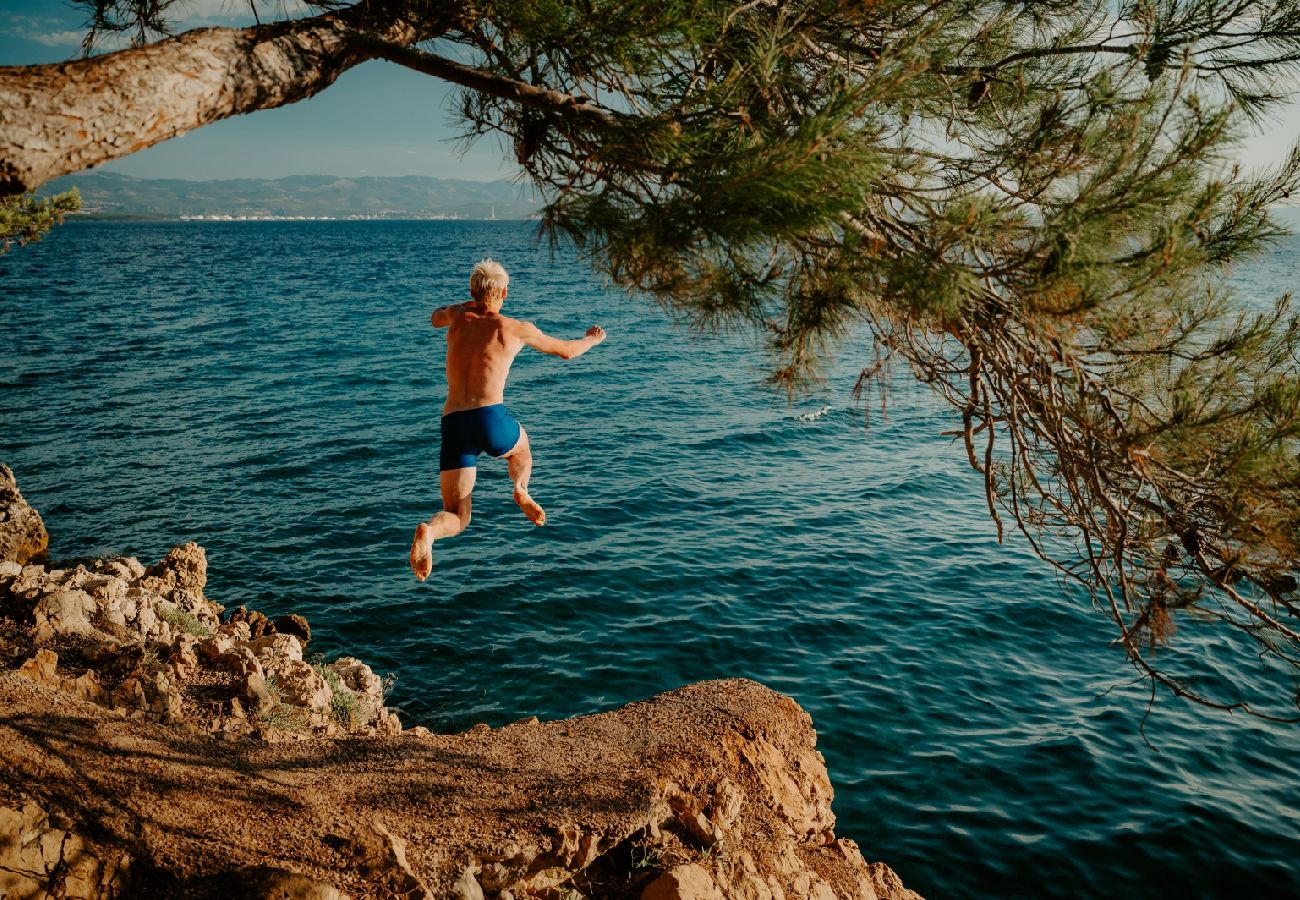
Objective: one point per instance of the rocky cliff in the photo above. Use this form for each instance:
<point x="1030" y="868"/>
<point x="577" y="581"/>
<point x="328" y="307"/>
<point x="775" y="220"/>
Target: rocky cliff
<point x="153" y="744"/>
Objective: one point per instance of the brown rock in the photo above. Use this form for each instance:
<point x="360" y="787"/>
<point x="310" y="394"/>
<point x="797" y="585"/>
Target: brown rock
<point x="293" y="624"/>
<point x="254" y="692"/>
<point x="688" y="882"/>
<point x="87" y="687"/>
<point x="37" y="860"/>
<point x="183" y="660"/>
<point x="183" y="570"/>
<point x="258" y="624"/>
<point x="42" y="668"/>
<point x="302" y="685"/>
<point x="368" y="687"/>
<point x="527" y="812"/>
<point x="807" y="884"/>
<point x="130" y="694"/>
<point x="65" y="612"/>
<point x="273" y="649"/>
<point x="383" y="854"/>
<point x="267" y="883"/>
<point x="22" y="533"/>
<point x="215" y="647"/>
<point x="467" y="886"/>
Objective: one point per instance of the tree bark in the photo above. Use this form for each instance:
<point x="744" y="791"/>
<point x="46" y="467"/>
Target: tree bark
<point x="64" y="117"/>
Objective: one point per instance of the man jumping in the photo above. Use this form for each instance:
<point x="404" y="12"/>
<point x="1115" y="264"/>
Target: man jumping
<point x="481" y="345"/>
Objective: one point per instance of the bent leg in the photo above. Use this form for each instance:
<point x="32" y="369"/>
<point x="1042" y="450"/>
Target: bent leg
<point x="520" y="461"/>
<point x="457" y="488"/>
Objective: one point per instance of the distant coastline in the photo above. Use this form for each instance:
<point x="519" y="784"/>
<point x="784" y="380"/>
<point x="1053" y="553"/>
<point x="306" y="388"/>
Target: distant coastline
<point x="298" y="198"/>
<point x="96" y="215"/>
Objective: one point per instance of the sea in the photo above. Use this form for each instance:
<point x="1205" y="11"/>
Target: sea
<point x="272" y="391"/>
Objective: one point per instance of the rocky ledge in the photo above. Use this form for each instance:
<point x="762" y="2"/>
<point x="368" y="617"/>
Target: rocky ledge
<point x="154" y="744"/>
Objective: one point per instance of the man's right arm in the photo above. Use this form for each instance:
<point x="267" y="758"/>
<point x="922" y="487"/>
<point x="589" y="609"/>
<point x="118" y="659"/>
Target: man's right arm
<point x="537" y="339"/>
<point x="442" y="316"/>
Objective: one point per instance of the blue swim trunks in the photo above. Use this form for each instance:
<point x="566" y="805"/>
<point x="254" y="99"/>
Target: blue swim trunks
<point x="466" y="434"/>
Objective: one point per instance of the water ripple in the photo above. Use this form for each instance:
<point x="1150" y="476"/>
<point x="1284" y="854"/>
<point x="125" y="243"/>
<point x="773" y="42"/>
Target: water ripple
<point x="271" y="390"/>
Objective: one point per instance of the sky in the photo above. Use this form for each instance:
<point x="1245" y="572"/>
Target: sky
<point x="377" y="119"/>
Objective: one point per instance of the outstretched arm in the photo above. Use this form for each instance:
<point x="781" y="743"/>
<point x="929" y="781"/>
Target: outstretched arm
<point x="442" y="315"/>
<point x="537" y="339"/>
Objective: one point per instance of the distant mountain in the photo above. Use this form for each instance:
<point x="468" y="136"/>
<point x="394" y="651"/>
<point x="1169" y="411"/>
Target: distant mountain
<point x="411" y="196"/>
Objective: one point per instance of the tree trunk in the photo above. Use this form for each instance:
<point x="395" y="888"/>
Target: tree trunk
<point x="64" y="117"/>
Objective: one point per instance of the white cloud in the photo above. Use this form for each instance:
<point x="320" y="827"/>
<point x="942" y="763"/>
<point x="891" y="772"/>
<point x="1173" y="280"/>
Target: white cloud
<point x="52" y="38"/>
<point x="44" y="30"/>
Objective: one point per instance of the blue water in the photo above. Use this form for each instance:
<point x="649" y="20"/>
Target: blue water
<point x="271" y="390"/>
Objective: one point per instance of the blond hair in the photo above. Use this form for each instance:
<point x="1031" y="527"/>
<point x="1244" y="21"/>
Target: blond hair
<point x="488" y="281"/>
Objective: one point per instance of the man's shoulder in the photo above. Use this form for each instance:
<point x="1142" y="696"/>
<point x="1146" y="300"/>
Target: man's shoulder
<point x="516" y="325"/>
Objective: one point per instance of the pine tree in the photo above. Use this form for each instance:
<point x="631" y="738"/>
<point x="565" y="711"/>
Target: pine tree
<point x="26" y="218"/>
<point x="1032" y="206"/>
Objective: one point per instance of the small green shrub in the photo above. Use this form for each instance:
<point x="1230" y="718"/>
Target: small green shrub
<point x="280" y="714"/>
<point x="344" y="705"/>
<point x="179" y="618"/>
<point x="150" y="662"/>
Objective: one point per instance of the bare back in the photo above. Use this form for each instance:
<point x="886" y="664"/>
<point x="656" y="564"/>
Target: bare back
<point x="481" y="345"/>
<point x="480" y="348"/>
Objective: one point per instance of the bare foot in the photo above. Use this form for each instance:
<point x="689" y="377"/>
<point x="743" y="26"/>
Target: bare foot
<point x="422" y="551"/>
<point x="535" y="513"/>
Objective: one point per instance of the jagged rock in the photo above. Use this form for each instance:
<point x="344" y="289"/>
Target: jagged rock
<point x="87" y="687"/>
<point x="883" y="882"/>
<point x="127" y="568"/>
<point x="253" y="691"/>
<point x="540" y="810"/>
<point x="165" y="701"/>
<point x="241" y="661"/>
<point x="22" y="533"/>
<point x="531" y="813"/>
<point x="257" y="624"/>
<point x="213" y="648"/>
<point x="368" y="687"/>
<point x="37" y="860"/>
<point x="806" y="884"/>
<point x="688" y="808"/>
<point x="179" y="575"/>
<point x="467" y="886"/>
<point x="130" y="695"/>
<point x="152" y="697"/>
<point x="183" y="660"/>
<point x="42" y="668"/>
<point x="727" y="803"/>
<point x="744" y="880"/>
<point x="236" y="631"/>
<point x="273" y="649"/>
<point x="295" y="625"/>
<point x="64" y="612"/>
<point x="144" y="604"/>
<point x="28" y="583"/>
<point x="688" y="882"/>
<point x="301" y="684"/>
<point x="266" y="883"/>
<point x="805" y="803"/>
<point x="383" y="855"/>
